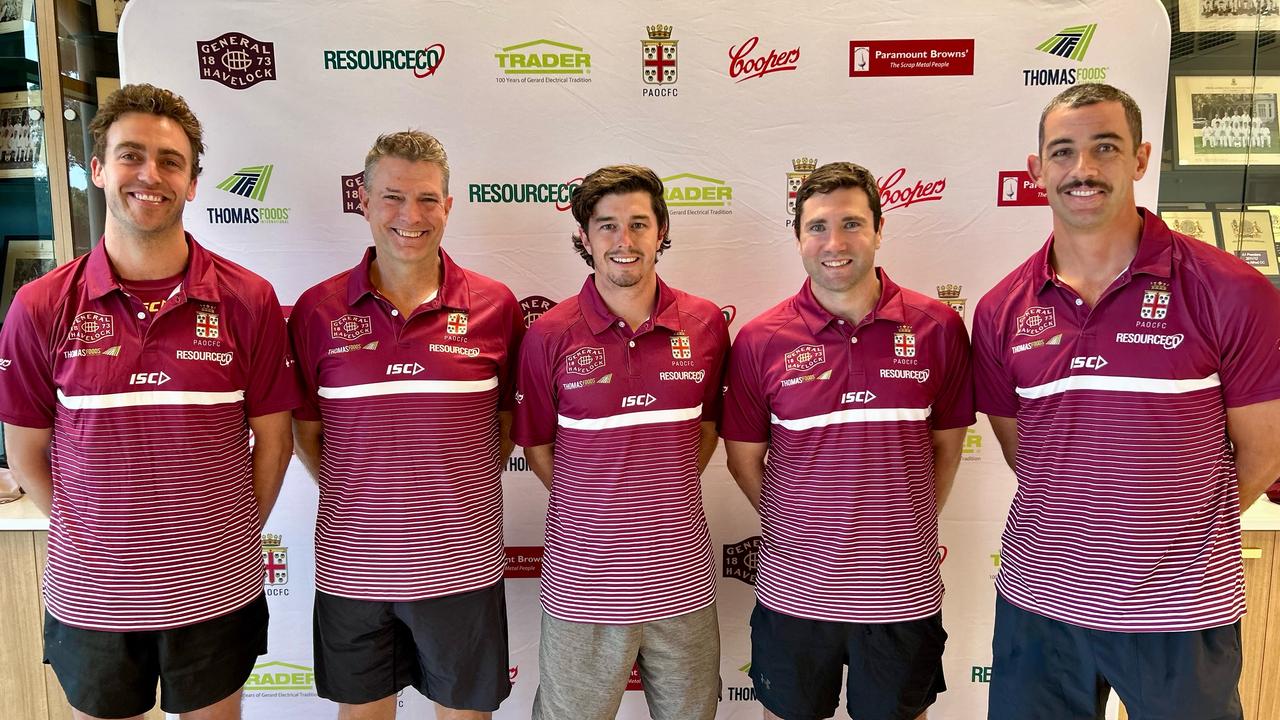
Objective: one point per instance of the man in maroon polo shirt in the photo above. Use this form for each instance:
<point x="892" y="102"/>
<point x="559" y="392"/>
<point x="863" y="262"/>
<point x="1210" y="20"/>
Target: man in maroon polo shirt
<point x="406" y="361"/>
<point x="131" y="379"/>
<point x="616" y="404"/>
<point x="1132" y="376"/>
<point x="845" y="413"/>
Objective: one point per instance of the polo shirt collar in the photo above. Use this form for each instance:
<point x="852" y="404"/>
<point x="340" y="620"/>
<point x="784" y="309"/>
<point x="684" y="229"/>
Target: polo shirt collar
<point x="1154" y="256"/>
<point x="453" y="293"/>
<point x="666" y="312"/>
<point x="816" y="318"/>
<point x="199" y="280"/>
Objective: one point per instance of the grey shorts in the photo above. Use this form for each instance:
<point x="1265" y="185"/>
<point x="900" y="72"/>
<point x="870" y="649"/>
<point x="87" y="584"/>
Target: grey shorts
<point x="584" y="667"/>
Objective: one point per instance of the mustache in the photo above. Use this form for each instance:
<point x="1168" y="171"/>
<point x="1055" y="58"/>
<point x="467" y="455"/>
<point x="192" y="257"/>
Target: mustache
<point x="1091" y="184"/>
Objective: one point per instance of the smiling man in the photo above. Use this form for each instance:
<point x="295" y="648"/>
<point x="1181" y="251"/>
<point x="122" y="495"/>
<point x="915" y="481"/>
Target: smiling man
<point x="1132" y="377"/>
<point x="844" y="417"/>
<point x="132" y="380"/>
<point x="618" y="395"/>
<point x="406" y="368"/>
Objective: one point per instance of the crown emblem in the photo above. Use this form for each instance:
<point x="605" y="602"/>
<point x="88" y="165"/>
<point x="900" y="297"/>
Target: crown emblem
<point x="270" y="540"/>
<point x="949" y="291"/>
<point x="904" y="329"/>
<point x="804" y="164"/>
<point x="659" y="32"/>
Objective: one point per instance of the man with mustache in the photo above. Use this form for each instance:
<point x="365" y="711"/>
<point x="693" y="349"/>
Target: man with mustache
<point x="617" y="398"/>
<point x="1132" y="377"/>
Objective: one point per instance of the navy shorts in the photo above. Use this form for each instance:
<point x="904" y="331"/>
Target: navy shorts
<point x="114" y="674"/>
<point x="452" y="649"/>
<point x="895" y="669"/>
<point x="1043" y="669"/>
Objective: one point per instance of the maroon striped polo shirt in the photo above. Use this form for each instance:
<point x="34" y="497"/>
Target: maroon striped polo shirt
<point x="1127" y="513"/>
<point x="154" y="522"/>
<point x="848" y="507"/>
<point x="626" y="535"/>
<point x="410" y="483"/>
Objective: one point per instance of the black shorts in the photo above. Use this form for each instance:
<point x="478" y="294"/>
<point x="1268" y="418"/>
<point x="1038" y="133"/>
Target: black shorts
<point x="1044" y="669"/>
<point x="453" y="649"/>
<point x="895" y="669"/>
<point x="114" y="674"/>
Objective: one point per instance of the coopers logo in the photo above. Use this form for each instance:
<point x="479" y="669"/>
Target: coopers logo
<point x="422" y="62"/>
<point x="906" y="58"/>
<point x="693" y="194"/>
<point x="1069" y="43"/>
<point x="558" y="194"/>
<point x="236" y="60"/>
<point x="894" y="193"/>
<point x="248" y="182"/>
<point x="543" y="61"/>
<point x="742" y="67"/>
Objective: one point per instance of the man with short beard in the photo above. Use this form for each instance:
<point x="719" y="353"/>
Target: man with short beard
<point x="617" y="397"/>
<point x="132" y="379"/>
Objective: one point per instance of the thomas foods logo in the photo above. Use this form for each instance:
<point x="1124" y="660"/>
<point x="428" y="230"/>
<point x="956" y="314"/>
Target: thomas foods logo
<point x="908" y="58"/>
<point x="1069" y="43"/>
<point x="558" y="194"/>
<point x="543" y="61"/>
<point x="744" y="67"/>
<point x="251" y="183"/>
<point x="692" y="194"/>
<point x="422" y="62"/>
<point x="351" y="185"/>
<point x="236" y="60"/>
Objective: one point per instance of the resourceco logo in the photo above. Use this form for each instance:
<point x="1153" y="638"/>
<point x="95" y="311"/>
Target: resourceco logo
<point x="543" y="61"/>
<point x="1069" y="43"/>
<point x="423" y="62"/>
<point x="697" y="194"/>
<point x="236" y="60"/>
<point x="506" y="193"/>
<point x="248" y="182"/>
<point x="351" y="185"/>
<point x="280" y="679"/>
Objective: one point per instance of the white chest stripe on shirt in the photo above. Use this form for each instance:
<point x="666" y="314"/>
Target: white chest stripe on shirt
<point x="144" y="398"/>
<point x="647" y="417"/>
<point x="1119" y="384"/>
<point x="406" y="387"/>
<point x="841" y="417"/>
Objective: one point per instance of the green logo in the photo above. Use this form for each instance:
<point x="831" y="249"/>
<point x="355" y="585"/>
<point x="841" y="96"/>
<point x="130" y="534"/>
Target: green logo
<point x="250" y="182"/>
<point x="553" y="58"/>
<point x="276" y="676"/>
<point x="1071" y="43"/>
<point x="689" y="190"/>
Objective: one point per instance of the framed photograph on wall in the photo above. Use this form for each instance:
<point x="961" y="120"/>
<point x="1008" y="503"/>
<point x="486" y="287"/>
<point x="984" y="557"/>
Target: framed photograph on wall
<point x="25" y="259"/>
<point x="109" y="12"/>
<point x="1226" y="120"/>
<point x="1196" y="223"/>
<point x="21" y="135"/>
<point x="1228" y="15"/>
<point x="1248" y="235"/>
<point x="15" y="13"/>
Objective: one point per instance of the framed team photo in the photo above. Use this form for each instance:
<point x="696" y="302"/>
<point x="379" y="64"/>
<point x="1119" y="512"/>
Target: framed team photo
<point x="14" y="14"/>
<point x="1226" y="120"/>
<point x="1228" y="15"/>
<point x="21" y="135"/>
<point x="25" y="259"/>
<point x="1248" y="235"/>
<point x="109" y="12"/>
<point x="1196" y="223"/>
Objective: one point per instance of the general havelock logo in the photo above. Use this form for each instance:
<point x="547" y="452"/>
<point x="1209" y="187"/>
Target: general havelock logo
<point x="1155" y="302"/>
<point x="351" y="327"/>
<point x="351" y="185"/>
<point x="1035" y="320"/>
<point x="236" y="60"/>
<point x="91" y="327"/>
<point x="533" y="307"/>
<point x="740" y="559"/>
<point x="585" y="361"/>
<point x="804" y="358"/>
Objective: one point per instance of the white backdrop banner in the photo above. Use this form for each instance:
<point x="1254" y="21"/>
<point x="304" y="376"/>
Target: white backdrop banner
<point x="731" y="102"/>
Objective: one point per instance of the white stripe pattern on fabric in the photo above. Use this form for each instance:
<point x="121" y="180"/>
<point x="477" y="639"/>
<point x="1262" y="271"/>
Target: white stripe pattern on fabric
<point x="841" y="417"/>
<point x="647" y="417"/>
<point x="407" y="387"/>
<point x="1119" y="384"/>
<point x="145" y="398"/>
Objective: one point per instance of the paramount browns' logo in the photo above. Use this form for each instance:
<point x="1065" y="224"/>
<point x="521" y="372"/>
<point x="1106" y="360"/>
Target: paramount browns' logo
<point x="423" y="62"/>
<point x="892" y="196"/>
<point x="739" y="560"/>
<point x="1069" y="43"/>
<point x="744" y="68"/>
<point x="351" y="185"/>
<point x="250" y="182"/>
<point x="351" y="327"/>
<point x="1155" y="301"/>
<point x="950" y="294"/>
<point x="91" y="327"/>
<point x="1016" y="188"/>
<point x="275" y="560"/>
<point x="659" y="56"/>
<point x="533" y="307"/>
<point x="524" y="561"/>
<point x="543" y="61"/>
<point x="585" y="361"/>
<point x="801" y="168"/>
<point x="1035" y="320"/>
<point x="236" y="60"/>
<point x="804" y="358"/>
<point x="686" y="191"/>
<point x="901" y="58"/>
<point x="456" y="323"/>
<point x="207" y="322"/>
<point x="680" y="348"/>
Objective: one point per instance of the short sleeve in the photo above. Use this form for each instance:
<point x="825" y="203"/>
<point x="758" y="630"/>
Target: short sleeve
<point x="746" y="412"/>
<point x="27" y="390"/>
<point x="953" y="406"/>
<point x="713" y="395"/>
<point x="534" y="419"/>
<point x="306" y="365"/>
<point x="994" y="387"/>
<point x="1249" y="318"/>
<point x="272" y="385"/>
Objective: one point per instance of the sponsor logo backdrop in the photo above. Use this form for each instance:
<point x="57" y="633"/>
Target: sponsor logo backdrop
<point x="732" y="103"/>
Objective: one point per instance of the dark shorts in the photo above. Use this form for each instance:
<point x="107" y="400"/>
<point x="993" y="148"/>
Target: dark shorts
<point x="453" y="649"/>
<point x="895" y="669"/>
<point x="114" y="674"/>
<point x="1043" y="669"/>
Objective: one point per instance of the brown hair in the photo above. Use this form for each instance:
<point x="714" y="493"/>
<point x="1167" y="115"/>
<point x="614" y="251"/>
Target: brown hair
<point x="1085" y="94"/>
<point x="411" y="145"/>
<point x="617" y="180"/>
<point x="144" y="98"/>
<point x="832" y="177"/>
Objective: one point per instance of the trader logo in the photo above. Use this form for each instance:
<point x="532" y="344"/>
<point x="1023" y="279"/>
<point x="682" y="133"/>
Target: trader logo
<point x="1016" y="188"/>
<point x="280" y="679"/>
<point x="690" y="194"/>
<point x="543" y="61"/>
<point x="801" y="168"/>
<point x="742" y="67"/>
<point x="351" y="185"/>
<point x="275" y="561"/>
<point x="236" y="60"/>
<point x="91" y="327"/>
<point x="559" y="194"/>
<point x="1035" y="320"/>
<point x="892" y="196"/>
<point x="739" y="560"/>
<point x="804" y="358"/>
<point x="585" y="361"/>
<point x="659" y="57"/>
<point x="533" y="307"/>
<point x="351" y="327"/>
<point x="1069" y="43"/>
<point x="422" y="62"/>
<point x="906" y="58"/>
<point x="249" y="182"/>
<point x="950" y="294"/>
